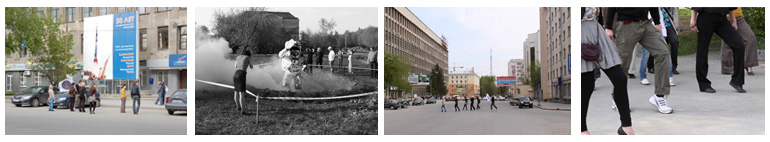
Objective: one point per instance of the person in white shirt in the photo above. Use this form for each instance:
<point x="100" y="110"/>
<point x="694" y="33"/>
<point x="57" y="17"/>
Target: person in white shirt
<point x="331" y="58"/>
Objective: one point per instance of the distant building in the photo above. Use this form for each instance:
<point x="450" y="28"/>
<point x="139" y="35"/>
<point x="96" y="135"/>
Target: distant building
<point x="531" y="56"/>
<point x="516" y="68"/>
<point x="555" y="28"/>
<point x="463" y="84"/>
<point x="407" y="36"/>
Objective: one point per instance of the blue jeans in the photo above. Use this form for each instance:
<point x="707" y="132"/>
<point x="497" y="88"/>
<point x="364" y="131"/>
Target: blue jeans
<point x="50" y="104"/>
<point x="643" y="66"/>
<point x="136" y="104"/>
<point x="443" y="108"/>
<point x="161" y="98"/>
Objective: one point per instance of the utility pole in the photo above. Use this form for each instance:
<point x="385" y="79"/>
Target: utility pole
<point x="490" y="61"/>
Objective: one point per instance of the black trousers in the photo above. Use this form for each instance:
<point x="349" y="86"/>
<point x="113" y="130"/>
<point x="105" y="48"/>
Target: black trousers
<point x="620" y="94"/>
<point x="82" y="103"/>
<point x="373" y="65"/>
<point x="92" y="108"/>
<point x="472" y="106"/>
<point x="672" y="40"/>
<point x="492" y="105"/>
<point x="708" y="24"/>
<point x="457" y="108"/>
<point x="71" y="103"/>
<point x="465" y="106"/>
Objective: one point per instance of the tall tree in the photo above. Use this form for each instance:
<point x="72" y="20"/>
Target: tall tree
<point x="37" y="36"/>
<point x="533" y="77"/>
<point x="437" y="86"/>
<point x="397" y="71"/>
<point x="487" y="86"/>
<point x="251" y="28"/>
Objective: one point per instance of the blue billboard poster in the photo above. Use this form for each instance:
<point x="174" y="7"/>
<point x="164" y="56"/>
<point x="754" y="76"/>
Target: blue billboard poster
<point x="125" y="45"/>
<point x="177" y="60"/>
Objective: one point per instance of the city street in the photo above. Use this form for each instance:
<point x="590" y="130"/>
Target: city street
<point x="725" y="112"/>
<point x="152" y="120"/>
<point x="507" y="120"/>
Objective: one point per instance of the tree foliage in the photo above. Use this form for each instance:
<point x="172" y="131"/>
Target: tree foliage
<point x="397" y="70"/>
<point x="437" y="86"/>
<point x="251" y="28"/>
<point x="533" y="77"/>
<point x="487" y="86"/>
<point x="40" y="39"/>
<point x="755" y="17"/>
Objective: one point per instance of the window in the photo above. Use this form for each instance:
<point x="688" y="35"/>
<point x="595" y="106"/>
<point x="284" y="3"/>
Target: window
<point x="161" y="76"/>
<point x="81" y="44"/>
<point x="23" y="81"/>
<point x="163" y="9"/>
<point x="143" y="41"/>
<point x="105" y="10"/>
<point x="183" y="37"/>
<point x="40" y="11"/>
<point x="143" y="10"/>
<point x="123" y="9"/>
<point x="162" y="37"/>
<point x="8" y="82"/>
<point x="182" y="8"/>
<point x="86" y="12"/>
<point x="143" y="76"/>
<point x="70" y="14"/>
<point x="54" y="12"/>
<point x="37" y="79"/>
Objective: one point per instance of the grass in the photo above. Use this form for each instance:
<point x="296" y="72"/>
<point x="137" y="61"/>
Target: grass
<point x="216" y="114"/>
<point x="10" y="94"/>
<point x="688" y="43"/>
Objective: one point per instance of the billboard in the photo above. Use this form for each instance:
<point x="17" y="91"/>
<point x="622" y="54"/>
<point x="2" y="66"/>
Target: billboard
<point x="110" y="46"/>
<point x="506" y="81"/>
<point x="419" y="79"/>
<point x="177" y="60"/>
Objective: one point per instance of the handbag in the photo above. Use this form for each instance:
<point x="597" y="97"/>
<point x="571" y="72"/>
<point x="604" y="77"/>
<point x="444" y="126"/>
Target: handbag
<point x="590" y="52"/>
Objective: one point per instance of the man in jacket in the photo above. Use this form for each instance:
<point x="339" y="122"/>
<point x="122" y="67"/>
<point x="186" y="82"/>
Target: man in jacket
<point x="135" y="97"/>
<point x="161" y="93"/>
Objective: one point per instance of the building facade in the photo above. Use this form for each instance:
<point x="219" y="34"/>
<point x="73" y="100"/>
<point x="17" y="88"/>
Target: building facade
<point x="162" y="48"/>
<point x="463" y="84"/>
<point x="516" y="68"/>
<point x="556" y="79"/>
<point x="532" y="55"/>
<point x="407" y="36"/>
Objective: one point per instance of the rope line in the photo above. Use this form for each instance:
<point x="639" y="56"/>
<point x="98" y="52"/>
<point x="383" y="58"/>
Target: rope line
<point x="290" y="98"/>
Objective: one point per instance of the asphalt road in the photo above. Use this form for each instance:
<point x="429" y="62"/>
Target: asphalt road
<point x="725" y="112"/>
<point x="507" y="120"/>
<point x="152" y="120"/>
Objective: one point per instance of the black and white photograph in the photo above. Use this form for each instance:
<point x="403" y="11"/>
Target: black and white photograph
<point x="286" y="71"/>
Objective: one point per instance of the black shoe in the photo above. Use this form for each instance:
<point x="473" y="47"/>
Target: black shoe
<point x="676" y="72"/>
<point x="651" y="70"/>
<point x="750" y="73"/>
<point x="621" y="132"/>
<point x="738" y="88"/>
<point x="631" y="76"/>
<point x="708" y="90"/>
<point x="727" y="73"/>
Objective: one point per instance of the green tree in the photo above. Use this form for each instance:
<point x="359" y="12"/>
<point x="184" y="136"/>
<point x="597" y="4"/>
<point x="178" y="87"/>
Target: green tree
<point x="251" y="28"/>
<point x="36" y="35"/>
<point x="437" y="86"/>
<point x="533" y="77"/>
<point x="487" y="86"/>
<point x="397" y="71"/>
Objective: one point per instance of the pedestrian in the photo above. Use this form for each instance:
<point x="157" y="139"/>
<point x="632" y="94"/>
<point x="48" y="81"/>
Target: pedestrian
<point x="331" y="59"/>
<point x="493" y="104"/>
<point x="472" y="99"/>
<point x="72" y="94"/>
<point x="135" y="97"/>
<point x="242" y="61"/>
<point x="373" y="62"/>
<point x="82" y="96"/>
<point x="161" y="93"/>
<point x="123" y="99"/>
<point x="350" y="61"/>
<point x="51" y="96"/>
<point x="456" y="107"/>
<point x="478" y="102"/>
<point x="309" y="59"/>
<point x="632" y="27"/>
<point x="319" y="58"/>
<point x="443" y="108"/>
<point x="709" y="21"/>
<point x="610" y="63"/>
<point x="465" y="106"/>
<point x="92" y="101"/>
<point x="748" y="36"/>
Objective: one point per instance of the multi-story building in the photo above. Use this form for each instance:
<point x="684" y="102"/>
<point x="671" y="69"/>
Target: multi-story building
<point x="516" y="68"/>
<point x="531" y="56"/>
<point x="162" y="39"/>
<point x="556" y="78"/>
<point x="407" y="36"/>
<point x="463" y="84"/>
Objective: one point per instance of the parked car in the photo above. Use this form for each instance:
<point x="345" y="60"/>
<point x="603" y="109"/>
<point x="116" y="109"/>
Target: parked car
<point x="514" y="101"/>
<point x="430" y="100"/>
<point x="98" y="98"/>
<point x="392" y="104"/>
<point x="177" y="101"/>
<point x="33" y="96"/>
<point x="525" y="101"/>
<point x="417" y="101"/>
<point x="404" y="102"/>
<point x="499" y="98"/>
<point x="61" y="100"/>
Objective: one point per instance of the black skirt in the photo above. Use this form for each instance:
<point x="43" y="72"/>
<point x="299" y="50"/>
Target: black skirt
<point x="240" y="80"/>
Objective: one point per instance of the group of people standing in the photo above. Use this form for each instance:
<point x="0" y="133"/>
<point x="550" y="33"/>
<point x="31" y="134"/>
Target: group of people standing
<point x="318" y="53"/>
<point x="608" y="44"/>
<point x="475" y="106"/>
<point x="81" y="94"/>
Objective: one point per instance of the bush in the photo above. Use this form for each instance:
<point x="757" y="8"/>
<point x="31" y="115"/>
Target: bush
<point x="10" y="94"/>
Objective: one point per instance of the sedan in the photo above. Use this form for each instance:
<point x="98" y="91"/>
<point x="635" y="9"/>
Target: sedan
<point x="430" y="101"/>
<point x="514" y="101"/>
<point x="417" y="101"/>
<point x="32" y="96"/>
<point x="177" y="101"/>
<point x="525" y="101"/>
<point x="392" y="104"/>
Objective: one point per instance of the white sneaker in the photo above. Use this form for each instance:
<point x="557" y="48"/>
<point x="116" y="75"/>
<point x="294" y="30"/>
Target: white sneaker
<point x="661" y="103"/>
<point x="614" y="106"/>
<point x="645" y="82"/>
<point x="671" y="81"/>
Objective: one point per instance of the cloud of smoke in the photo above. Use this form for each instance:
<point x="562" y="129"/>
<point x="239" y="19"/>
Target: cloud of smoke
<point x="215" y="63"/>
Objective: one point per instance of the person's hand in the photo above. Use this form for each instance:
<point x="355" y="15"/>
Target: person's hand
<point x="610" y="34"/>
<point x="693" y="26"/>
<point x="735" y="25"/>
<point x="657" y="27"/>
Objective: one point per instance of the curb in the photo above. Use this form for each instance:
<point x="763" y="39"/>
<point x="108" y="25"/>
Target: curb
<point x="558" y="109"/>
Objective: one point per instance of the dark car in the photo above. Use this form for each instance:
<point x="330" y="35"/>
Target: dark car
<point x="430" y="100"/>
<point x="525" y="101"/>
<point x="514" y="101"/>
<point x="61" y="100"/>
<point x="98" y="98"/>
<point x="417" y="101"/>
<point x="392" y="104"/>
<point x="177" y="101"/>
<point x="33" y="96"/>
<point x="404" y="102"/>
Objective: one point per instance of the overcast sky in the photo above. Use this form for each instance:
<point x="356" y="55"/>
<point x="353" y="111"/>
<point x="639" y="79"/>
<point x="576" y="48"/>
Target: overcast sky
<point x="347" y="18"/>
<point x="472" y="32"/>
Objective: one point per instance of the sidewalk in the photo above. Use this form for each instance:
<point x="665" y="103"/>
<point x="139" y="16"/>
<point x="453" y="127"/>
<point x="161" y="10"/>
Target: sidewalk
<point x="725" y="112"/>
<point x="553" y="106"/>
